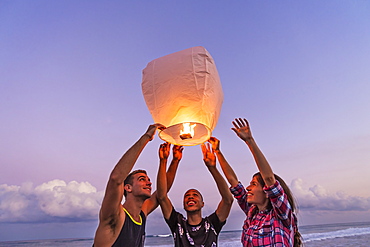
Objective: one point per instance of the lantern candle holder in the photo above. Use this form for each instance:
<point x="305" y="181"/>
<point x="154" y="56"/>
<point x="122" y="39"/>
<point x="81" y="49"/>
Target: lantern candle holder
<point x="187" y="131"/>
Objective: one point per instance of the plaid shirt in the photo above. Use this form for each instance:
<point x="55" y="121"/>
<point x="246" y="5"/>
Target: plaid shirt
<point x="274" y="227"/>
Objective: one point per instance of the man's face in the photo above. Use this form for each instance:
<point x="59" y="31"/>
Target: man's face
<point x="141" y="185"/>
<point x="193" y="201"/>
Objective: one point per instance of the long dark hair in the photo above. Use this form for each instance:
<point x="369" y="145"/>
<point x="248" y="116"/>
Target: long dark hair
<point x="288" y="192"/>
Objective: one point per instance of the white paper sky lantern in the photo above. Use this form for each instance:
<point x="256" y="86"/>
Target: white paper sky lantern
<point x="184" y="93"/>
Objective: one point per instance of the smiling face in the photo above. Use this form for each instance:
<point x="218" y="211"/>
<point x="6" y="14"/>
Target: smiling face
<point x="193" y="201"/>
<point x="256" y="195"/>
<point x="140" y="187"/>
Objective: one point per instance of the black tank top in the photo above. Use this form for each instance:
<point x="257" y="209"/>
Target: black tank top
<point x="132" y="233"/>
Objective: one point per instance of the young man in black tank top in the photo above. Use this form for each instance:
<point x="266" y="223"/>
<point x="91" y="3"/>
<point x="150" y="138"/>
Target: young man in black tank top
<point x="124" y="225"/>
<point x="194" y="230"/>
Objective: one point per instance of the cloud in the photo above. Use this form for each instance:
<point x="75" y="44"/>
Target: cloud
<point x="54" y="200"/>
<point x="318" y="198"/>
<point x="59" y="201"/>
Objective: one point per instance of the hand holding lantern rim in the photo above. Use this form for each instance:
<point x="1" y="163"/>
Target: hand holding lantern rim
<point x="152" y="128"/>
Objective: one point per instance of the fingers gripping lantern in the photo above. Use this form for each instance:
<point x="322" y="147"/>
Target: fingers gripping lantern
<point x="183" y="92"/>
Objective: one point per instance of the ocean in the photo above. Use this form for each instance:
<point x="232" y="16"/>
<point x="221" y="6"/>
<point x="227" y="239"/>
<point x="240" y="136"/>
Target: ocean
<point x="328" y="235"/>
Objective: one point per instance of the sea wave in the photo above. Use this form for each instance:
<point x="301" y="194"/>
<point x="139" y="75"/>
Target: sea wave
<point x="349" y="232"/>
<point x="163" y="235"/>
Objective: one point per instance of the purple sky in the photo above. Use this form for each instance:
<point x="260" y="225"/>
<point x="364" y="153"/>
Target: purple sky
<point x="71" y="104"/>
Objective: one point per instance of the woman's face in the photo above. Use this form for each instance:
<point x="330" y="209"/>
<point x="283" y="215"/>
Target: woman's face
<point x="256" y="194"/>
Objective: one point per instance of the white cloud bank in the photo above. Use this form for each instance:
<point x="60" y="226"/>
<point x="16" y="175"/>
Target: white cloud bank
<point x="318" y="198"/>
<point x="57" y="200"/>
<point x="54" y="200"/>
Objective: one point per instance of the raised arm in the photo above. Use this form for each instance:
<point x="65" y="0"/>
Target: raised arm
<point x="224" y="206"/>
<point x="242" y="129"/>
<point x="171" y="171"/>
<point x="226" y="168"/>
<point x="164" y="201"/>
<point x="152" y="203"/>
<point x="111" y="205"/>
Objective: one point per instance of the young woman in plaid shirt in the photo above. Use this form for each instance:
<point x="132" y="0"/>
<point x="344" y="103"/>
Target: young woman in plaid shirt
<point x="267" y="201"/>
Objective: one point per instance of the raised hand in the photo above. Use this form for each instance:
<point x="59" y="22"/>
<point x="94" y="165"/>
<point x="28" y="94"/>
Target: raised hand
<point x="177" y="152"/>
<point x="164" y="150"/>
<point x="152" y="128"/>
<point x="209" y="157"/>
<point x="241" y="128"/>
<point x="215" y="143"/>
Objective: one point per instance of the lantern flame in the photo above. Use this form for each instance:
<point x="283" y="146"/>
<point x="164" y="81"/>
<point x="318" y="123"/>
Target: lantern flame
<point x="187" y="131"/>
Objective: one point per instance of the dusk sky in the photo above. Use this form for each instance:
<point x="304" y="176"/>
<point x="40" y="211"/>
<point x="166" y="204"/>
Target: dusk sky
<point x="71" y="104"/>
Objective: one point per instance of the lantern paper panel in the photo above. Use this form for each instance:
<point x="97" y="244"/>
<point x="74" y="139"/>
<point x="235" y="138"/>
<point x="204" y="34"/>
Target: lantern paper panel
<point x="183" y="90"/>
